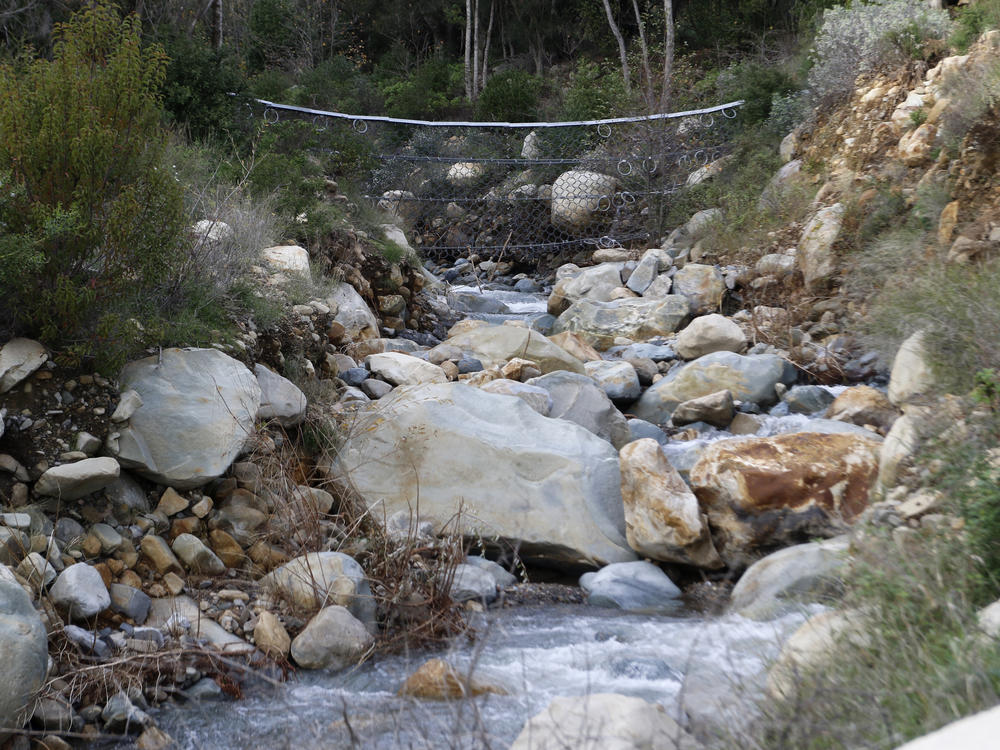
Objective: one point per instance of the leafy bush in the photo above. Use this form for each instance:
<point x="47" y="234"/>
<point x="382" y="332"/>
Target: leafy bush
<point x="198" y="82"/>
<point x="756" y="83"/>
<point x="595" y="93"/>
<point x="858" y="38"/>
<point x="337" y="84"/>
<point x="89" y="208"/>
<point x="973" y="20"/>
<point x="430" y="92"/>
<point x="272" y="33"/>
<point x="510" y="96"/>
<point x="787" y="111"/>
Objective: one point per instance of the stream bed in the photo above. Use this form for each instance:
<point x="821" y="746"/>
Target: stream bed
<point x="534" y="653"/>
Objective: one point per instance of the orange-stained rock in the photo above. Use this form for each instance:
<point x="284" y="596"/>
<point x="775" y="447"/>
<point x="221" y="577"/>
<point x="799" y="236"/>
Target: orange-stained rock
<point x="662" y="517"/>
<point x="436" y="679"/>
<point x="863" y="405"/>
<point x="770" y="492"/>
<point x="576" y="346"/>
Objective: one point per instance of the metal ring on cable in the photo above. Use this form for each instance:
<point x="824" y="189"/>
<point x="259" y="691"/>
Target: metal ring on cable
<point x="707" y="120"/>
<point x="625" y="170"/>
<point x="649" y="164"/>
<point x="360" y="126"/>
<point x="627" y="197"/>
<point x="319" y="122"/>
<point x="618" y="200"/>
<point x="271" y="115"/>
<point x="604" y="130"/>
<point x="700" y="157"/>
<point x="729" y="113"/>
<point x="604" y="203"/>
<point x="607" y="242"/>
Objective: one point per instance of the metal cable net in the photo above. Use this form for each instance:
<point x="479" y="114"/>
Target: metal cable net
<point x="516" y="189"/>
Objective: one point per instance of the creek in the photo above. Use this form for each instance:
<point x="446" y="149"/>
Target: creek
<point x="532" y="653"/>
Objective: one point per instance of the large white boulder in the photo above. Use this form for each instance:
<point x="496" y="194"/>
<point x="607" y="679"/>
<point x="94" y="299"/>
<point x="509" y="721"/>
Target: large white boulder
<point x="911" y="375"/>
<point x="601" y="721"/>
<point x="595" y="283"/>
<point x="707" y="334"/>
<point x="77" y="479"/>
<point x="578" y="195"/>
<point x="749" y="378"/>
<point x="24" y="655"/>
<point x="333" y="639"/>
<point x="815" y="256"/>
<point x="977" y="731"/>
<point x="499" y="344"/>
<point x="280" y="399"/>
<point x="353" y="313"/>
<point x="287" y="258"/>
<point x="402" y="369"/>
<point x="197" y="414"/>
<point x="319" y="579"/>
<point x="600" y="323"/>
<point x="789" y="577"/>
<point x="547" y="485"/>
<point x="18" y="359"/>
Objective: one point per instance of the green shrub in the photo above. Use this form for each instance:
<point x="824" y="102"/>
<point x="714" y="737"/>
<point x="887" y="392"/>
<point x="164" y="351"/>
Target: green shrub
<point x="756" y="83"/>
<point x="510" y="96"/>
<point x="198" y="82"/>
<point x="89" y="205"/>
<point x="595" y="93"/>
<point x="272" y="33"/>
<point x="972" y="20"/>
<point x="337" y="84"/>
<point x="432" y="91"/>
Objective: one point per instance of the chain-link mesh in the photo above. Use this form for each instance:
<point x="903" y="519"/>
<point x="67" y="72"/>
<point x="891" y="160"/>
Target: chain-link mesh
<point x="520" y="188"/>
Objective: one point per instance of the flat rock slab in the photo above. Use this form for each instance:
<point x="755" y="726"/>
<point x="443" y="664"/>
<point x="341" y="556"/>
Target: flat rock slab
<point x="18" y="359"/>
<point x="78" y="479"/>
<point x="547" y="485"/>
<point x="197" y="414"/>
<point x="185" y="607"/>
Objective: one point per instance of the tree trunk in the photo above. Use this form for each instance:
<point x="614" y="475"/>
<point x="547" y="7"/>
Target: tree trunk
<point x="475" y="50"/>
<point x="668" y="53"/>
<point x="645" y="56"/>
<point x="486" y="46"/>
<point x="468" y="50"/>
<point x="621" y="44"/>
<point x="216" y="24"/>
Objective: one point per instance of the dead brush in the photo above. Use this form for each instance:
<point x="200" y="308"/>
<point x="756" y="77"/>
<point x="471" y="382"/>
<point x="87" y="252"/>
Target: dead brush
<point x="410" y="574"/>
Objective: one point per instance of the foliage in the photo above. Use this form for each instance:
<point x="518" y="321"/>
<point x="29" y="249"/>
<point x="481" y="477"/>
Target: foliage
<point x="787" y="111"/>
<point x="594" y="93"/>
<point x="859" y="38"/>
<point x="430" y="92"/>
<point x="510" y="96"/>
<point x="92" y="210"/>
<point x="272" y="32"/>
<point x="756" y="83"/>
<point x="919" y="662"/>
<point x="973" y="93"/>
<point x="337" y="84"/>
<point x="198" y="84"/>
<point x="972" y="20"/>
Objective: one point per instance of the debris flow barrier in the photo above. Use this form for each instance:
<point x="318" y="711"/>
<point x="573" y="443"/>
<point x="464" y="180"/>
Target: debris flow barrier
<point x="512" y="189"/>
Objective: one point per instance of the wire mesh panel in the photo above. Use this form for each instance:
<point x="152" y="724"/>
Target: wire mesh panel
<point x="521" y="188"/>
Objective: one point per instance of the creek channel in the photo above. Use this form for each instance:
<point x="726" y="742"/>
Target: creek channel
<point x="532" y="653"/>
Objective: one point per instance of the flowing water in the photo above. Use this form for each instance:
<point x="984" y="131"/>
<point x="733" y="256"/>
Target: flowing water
<point x="534" y="653"/>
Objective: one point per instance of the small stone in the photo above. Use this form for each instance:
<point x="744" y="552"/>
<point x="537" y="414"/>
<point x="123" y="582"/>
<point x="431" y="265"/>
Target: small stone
<point x="128" y="404"/>
<point x="130" y="601"/>
<point x="174" y="583"/>
<point x="109" y="539"/>
<point x="197" y="557"/>
<point x="154" y="738"/>
<point x="79" y="591"/>
<point x="36" y="570"/>
<point x="203" y="507"/>
<point x="436" y="679"/>
<point x="171" y="502"/>
<point x="87" y="443"/>
<point x="227" y="548"/>
<point x="271" y="637"/>
<point x="156" y="550"/>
